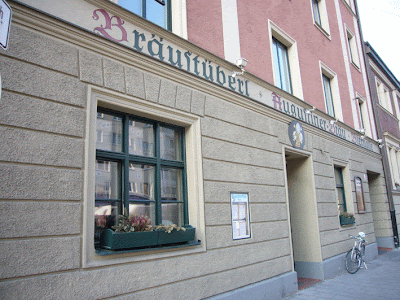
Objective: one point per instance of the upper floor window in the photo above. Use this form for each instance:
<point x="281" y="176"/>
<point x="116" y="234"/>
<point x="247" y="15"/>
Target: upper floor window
<point x="317" y="15"/>
<point x="330" y="88"/>
<point x="383" y="95"/>
<point x="281" y="63"/>
<point x="320" y="16"/>
<point x="156" y="11"/>
<point x="285" y="61"/>
<point x="351" y="41"/>
<point x="328" y="95"/>
<point x="394" y="159"/>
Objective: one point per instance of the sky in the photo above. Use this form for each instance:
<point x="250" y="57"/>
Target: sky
<point x="380" y="22"/>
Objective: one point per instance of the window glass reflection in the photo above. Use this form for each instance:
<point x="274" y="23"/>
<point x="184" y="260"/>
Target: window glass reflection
<point x="170" y="144"/>
<point x="107" y="180"/>
<point x="141" y="138"/>
<point x="109" y="133"/>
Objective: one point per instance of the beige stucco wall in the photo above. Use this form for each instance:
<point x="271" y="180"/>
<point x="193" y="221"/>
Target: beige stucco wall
<point x="46" y="78"/>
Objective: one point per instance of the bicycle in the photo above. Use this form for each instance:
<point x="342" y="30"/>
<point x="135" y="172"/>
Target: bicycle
<point x="354" y="257"/>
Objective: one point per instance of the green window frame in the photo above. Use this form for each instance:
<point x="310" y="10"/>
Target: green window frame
<point x="340" y="190"/>
<point x="145" y="176"/>
<point x="281" y="66"/>
<point x="330" y="109"/>
<point x="156" y="11"/>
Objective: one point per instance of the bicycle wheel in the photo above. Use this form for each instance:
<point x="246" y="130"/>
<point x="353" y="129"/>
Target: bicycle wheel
<point x="353" y="260"/>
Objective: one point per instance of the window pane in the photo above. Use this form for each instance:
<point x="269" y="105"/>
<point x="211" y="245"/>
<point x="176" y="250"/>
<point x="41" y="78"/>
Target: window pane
<point x="338" y="176"/>
<point x="109" y="133"/>
<point x="141" y="182"/>
<point x="328" y="96"/>
<point x="143" y="209"/>
<point x="171" y="184"/>
<point x="106" y="213"/>
<point x="342" y="206"/>
<point x="284" y="66"/>
<point x="108" y="184"/>
<point x="105" y="216"/>
<point x="276" y="64"/>
<point x="281" y="66"/>
<point x="134" y="6"/>
<point x="141" y="138"/>
<point x="172" y="213"/>
<point x="317" y="17"/>
<point x="170" y="144"/>
<point x="155" y="12"/>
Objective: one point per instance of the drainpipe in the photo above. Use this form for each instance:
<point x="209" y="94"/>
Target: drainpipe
<point x="385" y="161"/>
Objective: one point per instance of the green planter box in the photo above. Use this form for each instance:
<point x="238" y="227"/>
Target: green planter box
<point x="346" y="221"/>
<point x="176" y="236"/>
<point x="112" y="240"/>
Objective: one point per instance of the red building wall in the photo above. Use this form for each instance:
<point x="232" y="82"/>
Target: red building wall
<point x="295" y="18"/>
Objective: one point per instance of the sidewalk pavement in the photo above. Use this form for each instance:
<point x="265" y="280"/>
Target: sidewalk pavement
<point x="380" y="281"/>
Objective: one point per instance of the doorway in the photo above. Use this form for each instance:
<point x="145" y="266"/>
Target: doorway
<point x="306" y="245"/>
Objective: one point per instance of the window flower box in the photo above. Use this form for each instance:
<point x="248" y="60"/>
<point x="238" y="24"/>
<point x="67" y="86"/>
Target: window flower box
<point x="176" y="236"/>
<point x="112" y="240"/>
<point x="346" y="220"/>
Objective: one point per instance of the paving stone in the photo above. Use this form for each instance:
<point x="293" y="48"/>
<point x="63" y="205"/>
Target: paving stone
<point x="380" y="281"/>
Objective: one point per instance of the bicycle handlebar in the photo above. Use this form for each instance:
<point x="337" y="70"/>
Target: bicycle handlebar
<point x="358" y="238"/>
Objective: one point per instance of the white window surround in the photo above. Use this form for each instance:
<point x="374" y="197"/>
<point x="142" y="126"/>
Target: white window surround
<point x="350" y="5"/>
<point x="393" y="154"/>
<point x="352" y="47"/>
<point x="291" y="44"/>
<point x="383" y="93"/>
<point x="396" y="97"/>
<point x="178" y="18"/>
<point x="362" y="104"/>
<point x="323" y="13"/>
<point x="113" y="100"/>
<point x="337" y="104"/>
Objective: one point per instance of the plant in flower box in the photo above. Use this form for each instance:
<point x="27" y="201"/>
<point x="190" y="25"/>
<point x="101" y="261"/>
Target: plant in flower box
<point x="172" y="234"/>
<point x="136" y="232"/>
<point x="130" y="232"/>
<point x="346" y="219"/>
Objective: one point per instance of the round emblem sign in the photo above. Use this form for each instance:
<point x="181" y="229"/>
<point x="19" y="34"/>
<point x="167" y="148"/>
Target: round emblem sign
<point x="296" y="135"/>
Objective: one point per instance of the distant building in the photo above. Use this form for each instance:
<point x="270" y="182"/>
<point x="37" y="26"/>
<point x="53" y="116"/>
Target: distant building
<point x="385" y="91"/>
<point x="248" y="123"/>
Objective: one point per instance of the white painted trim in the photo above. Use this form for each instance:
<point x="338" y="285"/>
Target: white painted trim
<point x="396" y="99"/>
<point x="113" y="100"/>
<point x="343" y="41"/>
<point x="366" y="120"/>
<point x="363" y="70"/>
<point x="291" y="44"/>
<point x="324" y="27"/>
<point x="179" y="18"/>
<point x="337" y="103"/>
<point x="230" y="26"/>
<point x="381" y="75"/>
<point x="352" y="47"/>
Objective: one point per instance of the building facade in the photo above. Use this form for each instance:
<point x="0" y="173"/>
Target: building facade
<point x="386" y="96"/>
<point x="110" y="108"/>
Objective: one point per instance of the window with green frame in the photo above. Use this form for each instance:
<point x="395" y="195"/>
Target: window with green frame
<point x="340" y="190"/>
<point x="156" y="11"/>
<point x="140" y="166"/>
